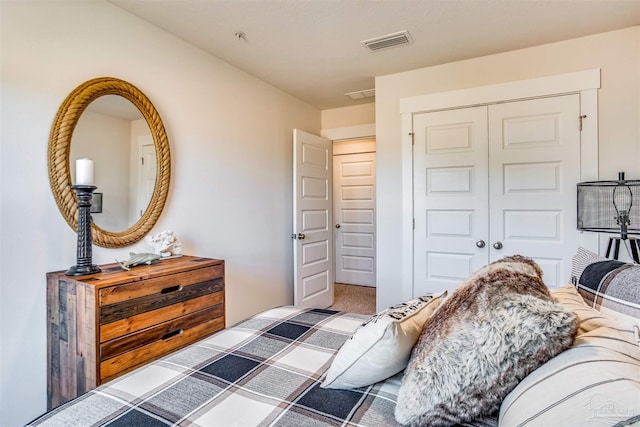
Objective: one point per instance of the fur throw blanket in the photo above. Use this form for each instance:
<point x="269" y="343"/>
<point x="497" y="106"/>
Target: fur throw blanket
<point x="499" y="326"/>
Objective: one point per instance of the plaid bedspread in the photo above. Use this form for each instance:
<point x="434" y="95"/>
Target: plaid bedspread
<point x="265" y="371"/>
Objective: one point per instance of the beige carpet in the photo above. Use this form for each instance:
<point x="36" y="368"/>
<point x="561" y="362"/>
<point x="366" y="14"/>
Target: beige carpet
<point x="354" y="299"/>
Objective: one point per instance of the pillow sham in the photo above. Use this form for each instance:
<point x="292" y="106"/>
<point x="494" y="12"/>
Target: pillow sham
<point x="612" y="287"/>
<point x="495" y="329"/>
<point x="581" y="260"/>
<point x="597" y="381"/>
<point x="381" y="347"/>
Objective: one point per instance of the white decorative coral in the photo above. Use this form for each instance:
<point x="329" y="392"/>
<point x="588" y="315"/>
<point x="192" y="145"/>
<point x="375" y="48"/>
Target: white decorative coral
<point x="165" y="244"/>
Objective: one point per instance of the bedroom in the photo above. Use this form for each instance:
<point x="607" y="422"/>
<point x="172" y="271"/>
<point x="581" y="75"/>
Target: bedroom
<point x="48" y="48"/>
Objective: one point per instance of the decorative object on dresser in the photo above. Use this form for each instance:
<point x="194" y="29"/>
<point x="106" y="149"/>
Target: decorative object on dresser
<point x="611" y="207"/>
<point x="103" y="325"/>
<point x="165" y="244"/>
<point x="138" y="259"/>
<point x="84" y="251"/>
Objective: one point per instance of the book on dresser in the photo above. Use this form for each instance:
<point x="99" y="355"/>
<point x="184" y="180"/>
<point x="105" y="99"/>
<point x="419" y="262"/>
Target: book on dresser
<point x="103" y="325"/>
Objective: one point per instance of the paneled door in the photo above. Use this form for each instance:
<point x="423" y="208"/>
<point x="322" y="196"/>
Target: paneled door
<point x="451" y="204"/>
<point x="312" y="220"/>
<point x="534" y="166"/>
<point x="147" y="174"/>
<point x="354" y="178"/>
<point x="493" y="181"/>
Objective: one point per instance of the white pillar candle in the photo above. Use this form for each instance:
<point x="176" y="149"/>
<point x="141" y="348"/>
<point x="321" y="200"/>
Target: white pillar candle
<point x="84" y="172"/>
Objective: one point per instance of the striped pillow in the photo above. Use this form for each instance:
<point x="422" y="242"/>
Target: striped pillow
<point x="581" y="260"/>
<point x="612" y="287"/>
<point x="596" y="381"/>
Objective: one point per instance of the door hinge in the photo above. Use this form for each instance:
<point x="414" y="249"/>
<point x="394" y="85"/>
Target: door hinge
<point x="581" y="119"/>
<point x="414" y="223"/>
<point x="142" y="161"/>
<point x="411" y="134"/>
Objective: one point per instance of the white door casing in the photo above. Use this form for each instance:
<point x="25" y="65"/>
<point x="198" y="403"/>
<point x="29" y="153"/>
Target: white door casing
<point x="450" y="197"/>
<point x="312" y="220"/>
<point x="354" y="218"/>
<point x="524" y="203"/>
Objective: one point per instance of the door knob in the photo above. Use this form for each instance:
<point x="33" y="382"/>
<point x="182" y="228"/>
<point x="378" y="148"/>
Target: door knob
<point x="337" y="225"/>
<point x="480" y="243"/>
<point x="301" y="236"/>
<point x="497" y="245"/>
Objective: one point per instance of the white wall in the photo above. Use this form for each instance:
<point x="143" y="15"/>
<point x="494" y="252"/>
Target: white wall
<point x="230" y="195"/>
<point x="616" y="53"/>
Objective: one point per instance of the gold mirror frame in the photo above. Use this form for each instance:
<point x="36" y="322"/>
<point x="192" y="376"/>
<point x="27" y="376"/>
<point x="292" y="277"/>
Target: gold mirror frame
<point x="58" y="158"/>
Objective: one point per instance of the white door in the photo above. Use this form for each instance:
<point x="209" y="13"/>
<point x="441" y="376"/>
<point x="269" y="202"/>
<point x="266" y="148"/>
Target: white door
<point x="148" y="172"/>
<point x="477" y="199"/>
<point x="312" y="220"/>
<point x="450" y="197"/>
<point x="354" y="177"/>
<point x="534" y="166"/>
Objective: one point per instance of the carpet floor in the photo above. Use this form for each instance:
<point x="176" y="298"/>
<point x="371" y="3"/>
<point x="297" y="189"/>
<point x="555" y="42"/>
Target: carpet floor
<point x="354" y="299"/>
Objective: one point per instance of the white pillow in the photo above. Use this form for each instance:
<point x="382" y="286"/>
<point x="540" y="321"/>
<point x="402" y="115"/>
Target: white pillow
<point x="381" y="347"/>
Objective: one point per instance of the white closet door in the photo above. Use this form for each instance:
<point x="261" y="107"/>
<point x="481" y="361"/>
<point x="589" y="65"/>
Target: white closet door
<point x="450" y="197"/>
<point x="354" y="206"/>
<point x="534" y="165"/>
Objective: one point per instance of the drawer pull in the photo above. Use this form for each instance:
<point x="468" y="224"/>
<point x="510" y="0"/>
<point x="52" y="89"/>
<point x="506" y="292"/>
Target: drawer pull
<point x="171" y="289"/>
<point x="171" y="334"/>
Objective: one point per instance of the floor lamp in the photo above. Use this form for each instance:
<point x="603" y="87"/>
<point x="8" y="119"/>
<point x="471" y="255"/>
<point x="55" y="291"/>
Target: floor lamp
<point x="612" y="207"/>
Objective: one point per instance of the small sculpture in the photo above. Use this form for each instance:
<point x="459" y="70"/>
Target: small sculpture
<point x="165" y="244"/>
<point x="138" y="259"/>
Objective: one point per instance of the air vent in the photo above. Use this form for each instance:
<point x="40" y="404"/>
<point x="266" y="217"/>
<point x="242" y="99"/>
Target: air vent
<point x="360" y="94"/>
<point x="400" y="38"/>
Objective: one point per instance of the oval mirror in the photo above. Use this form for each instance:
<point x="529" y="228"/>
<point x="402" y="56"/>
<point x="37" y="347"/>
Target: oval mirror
<point x="113" y="123"/>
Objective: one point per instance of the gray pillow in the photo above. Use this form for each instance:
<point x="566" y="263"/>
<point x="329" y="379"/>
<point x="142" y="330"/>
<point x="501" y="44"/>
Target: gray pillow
<point x="499" y="326"/>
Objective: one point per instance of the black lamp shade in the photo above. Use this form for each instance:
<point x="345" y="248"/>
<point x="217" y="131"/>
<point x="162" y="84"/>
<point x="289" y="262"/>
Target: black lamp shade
<point x="609" y="206"/>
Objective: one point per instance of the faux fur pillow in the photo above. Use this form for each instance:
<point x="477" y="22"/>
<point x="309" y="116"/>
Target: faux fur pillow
<point x="494" y="330"/>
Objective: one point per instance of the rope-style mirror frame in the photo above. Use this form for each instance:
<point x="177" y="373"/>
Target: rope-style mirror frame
<point x="58" y="158"/>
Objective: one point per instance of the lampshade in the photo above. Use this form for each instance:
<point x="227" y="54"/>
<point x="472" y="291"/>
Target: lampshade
<point x="610" y="206"/>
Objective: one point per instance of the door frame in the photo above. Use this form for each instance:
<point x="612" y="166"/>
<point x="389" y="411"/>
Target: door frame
<point x="586" y="83"/>
<point x="342" y="134"/>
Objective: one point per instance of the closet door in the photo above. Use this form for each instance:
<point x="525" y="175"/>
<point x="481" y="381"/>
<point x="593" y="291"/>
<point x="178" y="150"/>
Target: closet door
<point x="534" y="165"/>
<point x="450" y="197"/>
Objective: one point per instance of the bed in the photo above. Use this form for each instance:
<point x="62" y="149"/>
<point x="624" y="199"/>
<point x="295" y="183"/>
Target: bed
<point x="268" y="370"/>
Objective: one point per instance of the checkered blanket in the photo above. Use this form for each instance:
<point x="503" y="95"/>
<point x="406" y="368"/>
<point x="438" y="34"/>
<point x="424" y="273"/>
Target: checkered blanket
<point x="264" y="371"/>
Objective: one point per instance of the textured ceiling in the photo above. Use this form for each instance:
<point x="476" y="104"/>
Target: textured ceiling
<point x="311" y="48"/>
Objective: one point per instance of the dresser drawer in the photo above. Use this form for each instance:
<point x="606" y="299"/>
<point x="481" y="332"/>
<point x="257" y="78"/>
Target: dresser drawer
<point x="125" y="362"/>
<point x="162" y="331"/>
<point x="165" y="313"/>
<point x="139" y="297"/>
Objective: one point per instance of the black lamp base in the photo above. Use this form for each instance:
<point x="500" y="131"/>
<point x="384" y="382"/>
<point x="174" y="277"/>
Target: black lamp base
<point x="83" y="265"/>
<point x="81" y="270"/>
<point x="635" y="248"/>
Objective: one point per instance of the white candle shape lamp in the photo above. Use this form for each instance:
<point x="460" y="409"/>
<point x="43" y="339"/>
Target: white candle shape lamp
<point x="84" y="172"/>
<point x="84" y="189"/>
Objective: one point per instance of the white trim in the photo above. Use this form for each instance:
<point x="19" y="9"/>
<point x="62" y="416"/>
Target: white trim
<point x="586" y="83"/>
<point x="481" y="95"/>
<point x="350" y="132"/>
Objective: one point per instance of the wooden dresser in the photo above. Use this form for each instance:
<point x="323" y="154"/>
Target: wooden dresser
<point x="102" y="325"/>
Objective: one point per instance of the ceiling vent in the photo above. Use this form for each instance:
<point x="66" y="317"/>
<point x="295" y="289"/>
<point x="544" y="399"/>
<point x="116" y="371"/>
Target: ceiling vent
<point x="400" y="38"/>
<point x="360" y="94"/>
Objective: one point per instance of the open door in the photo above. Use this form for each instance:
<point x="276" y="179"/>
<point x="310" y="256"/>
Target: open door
<point x="312" y="220"/>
